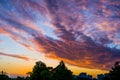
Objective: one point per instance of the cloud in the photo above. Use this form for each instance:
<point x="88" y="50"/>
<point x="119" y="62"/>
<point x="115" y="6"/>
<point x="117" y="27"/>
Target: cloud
<point x="82" y="54"/>
<point x="15" y="56"/>
<point x="87" y="33"/>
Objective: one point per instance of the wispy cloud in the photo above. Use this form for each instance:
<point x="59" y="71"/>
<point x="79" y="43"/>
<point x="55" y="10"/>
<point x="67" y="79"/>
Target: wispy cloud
<point x="15" y="56"/>
<point x="87" y="32"/>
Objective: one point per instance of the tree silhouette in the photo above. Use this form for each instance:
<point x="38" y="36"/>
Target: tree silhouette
<point x="40" y="72"/>
<point x="46" y="75"/>
<point x="115" y="72"/>
<point x="3" y="76"/>
<point x="62" y="73"/>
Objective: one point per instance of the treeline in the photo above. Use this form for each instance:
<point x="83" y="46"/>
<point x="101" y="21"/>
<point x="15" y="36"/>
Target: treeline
<point x="61" y="72"/>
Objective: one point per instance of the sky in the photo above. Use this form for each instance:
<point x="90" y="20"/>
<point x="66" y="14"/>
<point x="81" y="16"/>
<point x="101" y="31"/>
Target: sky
<point x="85" y="34"/>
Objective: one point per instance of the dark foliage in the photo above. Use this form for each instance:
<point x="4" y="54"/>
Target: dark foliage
<point x="41" y="72"/>
<point x="3" y="76"/>
<point x="115" y="72"/>
<point x="61" y="72"/>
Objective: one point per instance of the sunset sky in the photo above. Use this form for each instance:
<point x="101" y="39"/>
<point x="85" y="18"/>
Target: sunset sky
<point x="85" y="34"/>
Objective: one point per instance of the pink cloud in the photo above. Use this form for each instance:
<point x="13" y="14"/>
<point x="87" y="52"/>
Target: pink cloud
<point x="15" y="56"/>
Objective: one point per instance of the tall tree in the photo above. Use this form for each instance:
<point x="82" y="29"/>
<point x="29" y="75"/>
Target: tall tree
<point x="115" y="72"/>
<point x="38" y="68"/>
<point x="62" y="73"/>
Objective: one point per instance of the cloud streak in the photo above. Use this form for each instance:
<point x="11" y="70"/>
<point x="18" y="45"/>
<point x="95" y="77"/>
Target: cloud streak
<point x="15" y="56"/>
<point x="87" y="32"/>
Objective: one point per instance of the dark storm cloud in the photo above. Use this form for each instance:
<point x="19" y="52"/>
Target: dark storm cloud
<point x="85" y="29"/>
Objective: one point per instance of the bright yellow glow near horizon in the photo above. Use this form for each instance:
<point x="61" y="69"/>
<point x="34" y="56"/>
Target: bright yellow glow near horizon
<point x="21" y="67"/>
<point x="94" y="72"/>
